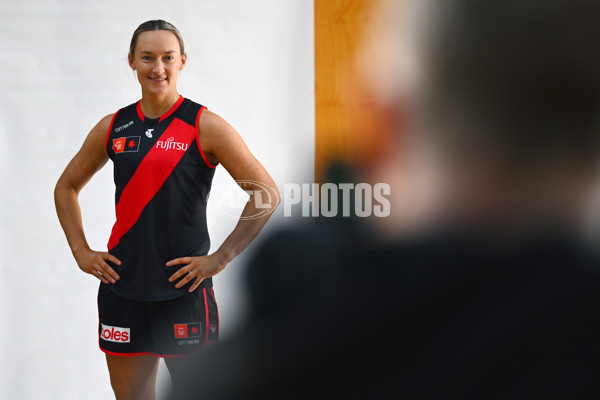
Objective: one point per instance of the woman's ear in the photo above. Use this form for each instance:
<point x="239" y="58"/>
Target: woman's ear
<point x="183" y="61"/>
<point x="130" y="58"/>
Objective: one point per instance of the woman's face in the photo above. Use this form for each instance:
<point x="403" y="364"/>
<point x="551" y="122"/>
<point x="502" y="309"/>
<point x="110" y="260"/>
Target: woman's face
<point x="157" y="61"/>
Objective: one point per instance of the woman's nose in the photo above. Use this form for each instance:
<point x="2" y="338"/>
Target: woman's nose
<point x="158" y="67"/>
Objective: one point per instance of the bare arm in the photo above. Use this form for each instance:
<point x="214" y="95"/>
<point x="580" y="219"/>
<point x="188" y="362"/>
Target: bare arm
<point x="224" y="144"/>
<point x="221" y="143"/>
<point x="89" y="160"/>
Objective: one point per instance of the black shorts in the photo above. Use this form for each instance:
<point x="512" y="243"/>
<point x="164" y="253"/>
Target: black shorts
<point x="161" y="328"/>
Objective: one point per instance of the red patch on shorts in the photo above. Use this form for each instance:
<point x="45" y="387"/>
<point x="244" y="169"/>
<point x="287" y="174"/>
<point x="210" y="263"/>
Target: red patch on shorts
<point x="181" y="330"/>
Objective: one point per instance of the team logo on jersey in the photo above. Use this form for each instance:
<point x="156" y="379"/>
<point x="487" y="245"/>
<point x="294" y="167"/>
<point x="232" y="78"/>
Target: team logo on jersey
<point x="188" y="330"/>
<point x="115" y="334"/>
<point x="130" y="144"/>
<point x="171" y="144"/>
<point x="149" y="133"/>
<point x="212" y="332"/>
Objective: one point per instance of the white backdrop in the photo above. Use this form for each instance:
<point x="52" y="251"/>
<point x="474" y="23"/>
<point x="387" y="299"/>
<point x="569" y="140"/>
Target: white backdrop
<point x="63" y="68"/>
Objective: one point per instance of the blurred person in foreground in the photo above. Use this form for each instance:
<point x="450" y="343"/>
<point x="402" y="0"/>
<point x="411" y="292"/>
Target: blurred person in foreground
<point x="484" y="282"/>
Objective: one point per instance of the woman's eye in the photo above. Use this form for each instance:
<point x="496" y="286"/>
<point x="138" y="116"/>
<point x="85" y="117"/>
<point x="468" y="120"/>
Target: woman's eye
<point x="169" y="58"/>
<point x="146" y="58"/>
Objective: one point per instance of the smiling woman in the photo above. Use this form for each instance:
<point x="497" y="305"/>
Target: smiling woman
<point x="157" y="54"/>
<point x="157" y="300"/>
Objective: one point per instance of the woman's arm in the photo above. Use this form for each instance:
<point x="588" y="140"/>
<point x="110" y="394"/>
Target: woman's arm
<point x="221" y="143"/>
<point x="89" y="160"/>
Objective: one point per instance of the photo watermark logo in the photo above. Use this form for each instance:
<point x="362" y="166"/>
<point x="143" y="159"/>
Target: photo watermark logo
<point x="302" y="199"/>
<point x="230" y="200"/>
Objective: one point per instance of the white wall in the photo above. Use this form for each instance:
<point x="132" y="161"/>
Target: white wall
<point x="63" y="67"/>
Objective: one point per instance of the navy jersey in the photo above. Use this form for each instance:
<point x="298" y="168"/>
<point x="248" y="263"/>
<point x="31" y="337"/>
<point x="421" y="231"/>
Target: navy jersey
<point x="162" y="180"/>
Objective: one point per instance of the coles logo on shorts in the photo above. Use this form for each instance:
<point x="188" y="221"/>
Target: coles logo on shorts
<point x="115" y="334"/>
<point x="187" y="330"/>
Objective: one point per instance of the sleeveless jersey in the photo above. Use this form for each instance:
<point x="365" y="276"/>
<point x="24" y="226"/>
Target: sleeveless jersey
<point x="162" y="180"/>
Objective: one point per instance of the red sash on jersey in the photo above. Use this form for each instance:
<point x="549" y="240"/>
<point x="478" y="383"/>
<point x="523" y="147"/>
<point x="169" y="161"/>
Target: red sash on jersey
<point x="150" y="175"/>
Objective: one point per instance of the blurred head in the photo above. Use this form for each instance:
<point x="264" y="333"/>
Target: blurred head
<point x="516" y="82"/>
<point x="504" y="93"/>
<point x="157" y="55"/>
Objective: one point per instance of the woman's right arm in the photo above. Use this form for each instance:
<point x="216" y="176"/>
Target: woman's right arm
<point x="89" y="160"/>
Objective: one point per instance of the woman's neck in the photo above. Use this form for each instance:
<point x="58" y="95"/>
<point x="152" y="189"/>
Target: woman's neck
<point x="153" y="106"/>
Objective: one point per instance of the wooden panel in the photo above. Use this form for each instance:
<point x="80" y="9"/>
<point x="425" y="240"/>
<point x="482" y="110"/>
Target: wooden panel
<point x="339" y="28"/>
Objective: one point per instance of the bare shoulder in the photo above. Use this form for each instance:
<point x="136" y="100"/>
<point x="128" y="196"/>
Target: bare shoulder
<point x="96" y="139"/>
<point x="91" y="157"/>
<point x="104" y="124"/>
<point x="211" y="123"/>
<point x="107" y="120"/>
<point x="217" y="136"/>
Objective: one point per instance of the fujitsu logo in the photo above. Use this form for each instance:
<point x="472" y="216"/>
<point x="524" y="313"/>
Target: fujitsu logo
<point x="115" y="334"/>
<point x="171" y="144"/>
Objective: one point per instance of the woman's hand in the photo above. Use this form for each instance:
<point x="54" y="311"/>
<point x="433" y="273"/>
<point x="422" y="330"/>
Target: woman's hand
<point x="198" y="268"/>
<point x="94" y="263"/>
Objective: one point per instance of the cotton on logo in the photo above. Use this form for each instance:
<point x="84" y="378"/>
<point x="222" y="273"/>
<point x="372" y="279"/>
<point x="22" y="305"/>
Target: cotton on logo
<point x="115" y="334"/>
<point x="230" y="200"/>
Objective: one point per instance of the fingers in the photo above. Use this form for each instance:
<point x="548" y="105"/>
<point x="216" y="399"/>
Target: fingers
<point x="179" y="261"/>
<point x="103" y="272"/>
<point x="111" y="258"/>
<point x="108" y="272"/>
<point x="95" y="264"/>
<point x="183" y="271"/>
<point x="184" y="281"/>
<point x="187" y="279"/>
<point x="99" y="276"/>
<point x="195" y="285"/>
<point x="196" y="269"/>
<point x="106" y="269"/>
<point x="187" y="275"/>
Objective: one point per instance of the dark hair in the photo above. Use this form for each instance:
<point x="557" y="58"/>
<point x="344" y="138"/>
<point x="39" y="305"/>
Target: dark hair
<point x="155" y="25"/>
<point x="516" y="78"/>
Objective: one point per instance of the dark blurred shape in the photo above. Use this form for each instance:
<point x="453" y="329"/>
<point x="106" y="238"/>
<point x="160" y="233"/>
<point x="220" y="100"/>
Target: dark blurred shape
<point x="448" y="317"/>
<point x="517" y="79"/>
<point x="496" y="294"/>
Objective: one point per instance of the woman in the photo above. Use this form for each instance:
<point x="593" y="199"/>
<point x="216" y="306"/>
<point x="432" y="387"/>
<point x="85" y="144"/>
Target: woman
<point x="155" y="297"/>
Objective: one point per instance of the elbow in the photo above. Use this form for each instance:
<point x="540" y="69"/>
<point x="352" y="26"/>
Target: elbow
<point x="61" y="190"/>
<point x="57" y="190"/>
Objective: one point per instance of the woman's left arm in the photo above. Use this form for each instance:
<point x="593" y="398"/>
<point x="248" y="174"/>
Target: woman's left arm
<point x="222" y="144"/>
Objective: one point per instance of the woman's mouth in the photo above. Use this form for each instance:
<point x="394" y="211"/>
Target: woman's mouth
<point x="157" y="80"/>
